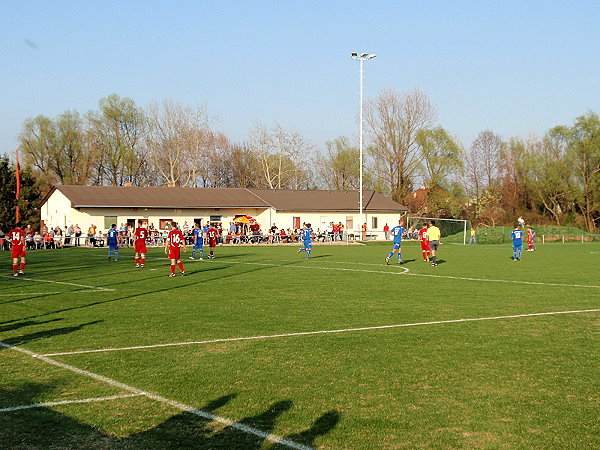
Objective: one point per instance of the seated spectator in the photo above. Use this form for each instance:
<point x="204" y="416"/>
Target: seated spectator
<point x="29" y="243"/>
<point x="48" y="241"/>
<point x="38" y="240"/>
<point x="99" y="239"/>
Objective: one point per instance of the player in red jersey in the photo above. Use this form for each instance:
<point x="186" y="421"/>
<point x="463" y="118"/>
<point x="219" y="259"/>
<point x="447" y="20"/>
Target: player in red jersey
<point x="174" y="242"/>
<point x="213" y="235"/>
<point x="17" y="239"/>
<point x="425" y="249"/>
<point x="140" y="234"/>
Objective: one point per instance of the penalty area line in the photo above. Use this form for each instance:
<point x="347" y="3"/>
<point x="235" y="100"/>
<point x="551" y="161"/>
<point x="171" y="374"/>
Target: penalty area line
<point x="406" y="271"/>
<point x="92" y="288"/>
<point x="181" y="406"/>
<point x="68" y="402"/>
<point x="312" y="333"/>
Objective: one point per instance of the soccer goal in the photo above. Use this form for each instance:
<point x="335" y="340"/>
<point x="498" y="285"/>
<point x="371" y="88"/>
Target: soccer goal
<point x="453" y="230"/>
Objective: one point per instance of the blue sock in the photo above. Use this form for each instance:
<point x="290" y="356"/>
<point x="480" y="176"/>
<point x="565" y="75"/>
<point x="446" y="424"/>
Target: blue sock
<point x="109" y="253"/>
<point x="116" y="255"/>
<point x="193" y="253"/>
<point x="399" y="256"/>
<point x="307" y="253"/>
<point x="390" y="255"/>
<point x="201" y="253"/>
<point x="514" y="255"/>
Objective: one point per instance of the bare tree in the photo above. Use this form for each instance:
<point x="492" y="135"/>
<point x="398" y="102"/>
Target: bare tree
<point x="173" y="141"/>
<point x="393" y="121"/>
<point x="283" y="157"/>
<point x="488" y="147"/>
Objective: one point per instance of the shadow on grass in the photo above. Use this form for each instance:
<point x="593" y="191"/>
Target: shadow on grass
<point x="169" y="286"/>
<point x="38" y="335"/>
<point x="28" y="323"/>
<point x="45" y="427"/>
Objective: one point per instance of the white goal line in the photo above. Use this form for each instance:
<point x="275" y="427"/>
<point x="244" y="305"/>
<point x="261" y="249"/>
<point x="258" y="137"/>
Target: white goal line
<point x="312" y="333"/>
<point x="175" y="404"/>
<point x="68" y="402"/>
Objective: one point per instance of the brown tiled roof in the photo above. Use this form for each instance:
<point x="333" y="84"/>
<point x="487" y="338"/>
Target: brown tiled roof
<point x="298" y="200"/>
<point x="172" y="197"/>
<point x="160" y="197"/>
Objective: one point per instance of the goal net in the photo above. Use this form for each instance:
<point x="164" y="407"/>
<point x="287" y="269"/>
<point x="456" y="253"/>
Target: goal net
<point x="453" y="230"/>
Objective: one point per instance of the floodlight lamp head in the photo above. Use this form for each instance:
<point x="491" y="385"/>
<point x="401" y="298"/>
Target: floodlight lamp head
<point x="354" y="55"/>
<point x="364" y="55"/>
<point x="371" y="56"/>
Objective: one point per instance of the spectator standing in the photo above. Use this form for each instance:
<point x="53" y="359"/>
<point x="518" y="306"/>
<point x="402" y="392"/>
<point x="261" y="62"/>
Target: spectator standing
<point x="473" y="240"/>
<point x="77" y="232"/>
<point x="386" y="231"/>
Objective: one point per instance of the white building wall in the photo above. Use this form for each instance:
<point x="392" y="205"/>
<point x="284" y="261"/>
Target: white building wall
<point x="57" y="211"/>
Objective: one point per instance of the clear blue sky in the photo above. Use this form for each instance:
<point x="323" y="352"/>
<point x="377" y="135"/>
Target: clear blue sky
<point x="515" y="67"/>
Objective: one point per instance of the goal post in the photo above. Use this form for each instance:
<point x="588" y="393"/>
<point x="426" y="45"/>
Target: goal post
<point x="453" y="230"/>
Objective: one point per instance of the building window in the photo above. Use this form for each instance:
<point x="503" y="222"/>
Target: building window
<point x="349" y="223"/>
<point x="164" y="224"/>
<point x="373" y="223"/>
<point x="108" y="221"/>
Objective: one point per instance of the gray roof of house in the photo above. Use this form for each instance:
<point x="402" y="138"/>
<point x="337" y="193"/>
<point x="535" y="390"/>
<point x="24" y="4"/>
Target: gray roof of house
<point x="178" y="197"/>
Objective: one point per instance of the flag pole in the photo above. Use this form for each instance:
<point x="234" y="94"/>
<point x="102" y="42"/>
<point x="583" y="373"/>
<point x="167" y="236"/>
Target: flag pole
<point x="18" y="174"/>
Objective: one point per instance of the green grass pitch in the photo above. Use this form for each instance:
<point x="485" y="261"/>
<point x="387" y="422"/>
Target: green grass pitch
<point x="403" y="367"/>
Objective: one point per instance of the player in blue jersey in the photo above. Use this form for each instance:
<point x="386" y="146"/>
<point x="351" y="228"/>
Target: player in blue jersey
<point x="517" y="239"/>
<point x="306" y="239"/>
<point x="198" y="242"/>
<point x="397" y="232"/>
<point x="112" y="237"/>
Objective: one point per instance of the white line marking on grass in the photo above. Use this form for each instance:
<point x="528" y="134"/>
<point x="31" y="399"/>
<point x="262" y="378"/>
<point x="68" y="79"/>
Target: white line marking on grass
<point x="406" y="271"/>
<point x="341" y="269"/>
<point x="185" y="408"/>
<point x="309" y="333"/>
<point x="68" y="402"/>
<point x="491" y="280"/>
<point x="93" y="288"/>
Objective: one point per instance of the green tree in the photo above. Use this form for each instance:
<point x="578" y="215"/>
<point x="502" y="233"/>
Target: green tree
<point x="550" y="180"/>
<point x="582" y="142"/>
<point x="341" y="166"/>
<point x="28" y="199"/>
<point x="441" y="156"/>
<point x="119" y="127"/>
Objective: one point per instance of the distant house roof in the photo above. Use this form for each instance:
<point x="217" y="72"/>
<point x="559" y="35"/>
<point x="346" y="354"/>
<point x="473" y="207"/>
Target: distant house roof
<point x="175" y="197"/>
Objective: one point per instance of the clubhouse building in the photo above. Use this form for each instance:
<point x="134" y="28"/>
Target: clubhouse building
<point x="105" y="205"/>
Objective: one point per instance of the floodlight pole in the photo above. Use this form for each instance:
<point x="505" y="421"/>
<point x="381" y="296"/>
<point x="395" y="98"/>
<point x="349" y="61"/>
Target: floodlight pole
<point x="361" y="59"/>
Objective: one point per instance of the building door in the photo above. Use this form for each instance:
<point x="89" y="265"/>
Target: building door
<point x="296" y="221"/>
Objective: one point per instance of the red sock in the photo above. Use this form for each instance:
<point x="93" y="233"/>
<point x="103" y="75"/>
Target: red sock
<point x="173" y="268"/>
<point x="137" y="260"/>
<point x="22" y="265"/>
<point x="211" y="252"/>
<point x="15" y="268"/>
<point x="180" y="264"/>
<point x="143" y="259"/>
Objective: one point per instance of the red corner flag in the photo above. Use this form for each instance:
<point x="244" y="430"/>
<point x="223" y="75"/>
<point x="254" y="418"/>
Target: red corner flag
<point x="18" y="171"/>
